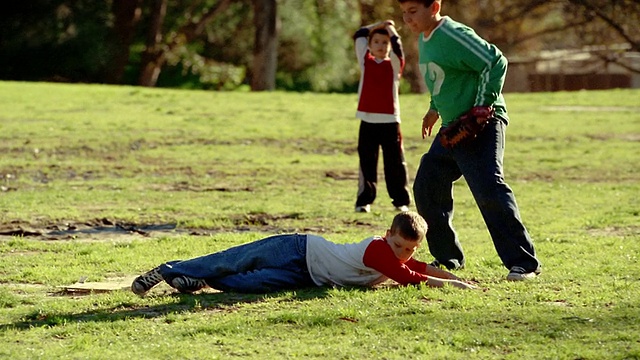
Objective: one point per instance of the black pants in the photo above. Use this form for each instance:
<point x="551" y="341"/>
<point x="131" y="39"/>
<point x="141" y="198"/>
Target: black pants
<point x="371" y="138"/>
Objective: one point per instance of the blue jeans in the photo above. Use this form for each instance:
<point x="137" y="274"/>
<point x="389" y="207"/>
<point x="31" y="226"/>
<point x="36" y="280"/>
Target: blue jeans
<point x="480" y="162"/>
<point x="275" y="263"/>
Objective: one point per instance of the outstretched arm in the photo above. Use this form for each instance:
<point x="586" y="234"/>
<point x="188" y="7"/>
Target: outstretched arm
<point x="380" y="257"/>
<point x="439" y="273"/>
<point x="437" y="277"/>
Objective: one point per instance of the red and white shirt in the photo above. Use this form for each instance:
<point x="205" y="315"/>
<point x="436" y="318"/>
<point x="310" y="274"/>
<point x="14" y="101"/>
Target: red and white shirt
<point x="366" y="263"/>
<point x="379" y="80"/>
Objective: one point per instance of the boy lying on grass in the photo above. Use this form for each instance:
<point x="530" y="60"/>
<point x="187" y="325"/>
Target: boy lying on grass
<point x="292" y="261"/>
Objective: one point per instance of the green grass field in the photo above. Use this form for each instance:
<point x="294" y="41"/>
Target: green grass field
<point x="104" y="183"/>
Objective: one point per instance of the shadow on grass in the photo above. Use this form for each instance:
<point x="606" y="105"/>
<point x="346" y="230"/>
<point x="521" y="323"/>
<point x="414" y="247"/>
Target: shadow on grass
<point x="187" y="303"/>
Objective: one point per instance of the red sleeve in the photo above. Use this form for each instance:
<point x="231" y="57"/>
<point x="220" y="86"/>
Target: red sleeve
<point x="380" y="257"/>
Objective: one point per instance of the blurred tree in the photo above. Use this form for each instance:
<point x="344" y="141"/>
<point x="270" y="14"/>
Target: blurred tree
<point x="220" y="57"/>
<point x="315" y="50"/>
<point x="610" y="27"/>
<point x="265" y="49"/>
<point x="54" y="40"/>
<point x="513" y="25"/>
<point x="154" y="54"/>
<point x="220" y="44"/>
<point x="160" y="45"/>
<point x="126" y="15"/>
<point x="528" y="26"/>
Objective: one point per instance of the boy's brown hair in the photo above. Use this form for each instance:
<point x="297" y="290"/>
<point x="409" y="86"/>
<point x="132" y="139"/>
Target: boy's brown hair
<point x="381" y="31"/>
<point x="410" y="225"/>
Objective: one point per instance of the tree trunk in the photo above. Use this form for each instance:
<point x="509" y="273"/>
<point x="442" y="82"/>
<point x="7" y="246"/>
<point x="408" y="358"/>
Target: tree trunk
<point x="153" y="57"/>
<point x="265" y="51"/>
<point x="126" y="15"/>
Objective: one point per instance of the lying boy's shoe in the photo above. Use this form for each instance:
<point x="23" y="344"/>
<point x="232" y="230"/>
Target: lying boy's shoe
<point x="187" y="285"/>
<point x="363" y="208"/>
<point x="146" y="281"/>
<point x="518" y="273"/>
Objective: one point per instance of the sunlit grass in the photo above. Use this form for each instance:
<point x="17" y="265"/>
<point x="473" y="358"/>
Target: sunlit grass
<point x="211" y="170"/>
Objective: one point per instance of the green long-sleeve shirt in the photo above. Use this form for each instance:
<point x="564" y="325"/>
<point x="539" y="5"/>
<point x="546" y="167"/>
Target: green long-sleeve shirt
<point x="461" y="70"/>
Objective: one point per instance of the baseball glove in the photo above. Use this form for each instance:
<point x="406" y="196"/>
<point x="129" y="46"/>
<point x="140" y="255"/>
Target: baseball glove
<point x="466" y="127"/>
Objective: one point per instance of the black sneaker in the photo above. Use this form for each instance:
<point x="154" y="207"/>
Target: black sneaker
<point x="449" y="265"/>
<point x="143" y="283"/>
<point x="187" y="285"/>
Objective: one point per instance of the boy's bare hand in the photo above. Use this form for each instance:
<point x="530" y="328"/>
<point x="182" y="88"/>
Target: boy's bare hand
<point x="428" y="121"/>
<point x="463" y="285"/>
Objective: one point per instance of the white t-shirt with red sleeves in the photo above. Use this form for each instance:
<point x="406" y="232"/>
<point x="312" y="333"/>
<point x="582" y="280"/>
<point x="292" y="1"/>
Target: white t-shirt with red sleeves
<point x="365" y="263"/>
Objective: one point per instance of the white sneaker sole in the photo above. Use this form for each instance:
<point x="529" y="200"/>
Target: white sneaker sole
<point x="521" y="277"/>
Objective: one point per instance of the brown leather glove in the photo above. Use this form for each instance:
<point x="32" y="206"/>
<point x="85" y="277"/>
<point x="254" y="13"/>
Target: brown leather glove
<point x="466" y="127"/>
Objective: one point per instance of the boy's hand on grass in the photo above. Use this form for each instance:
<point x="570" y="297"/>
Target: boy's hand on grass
<point x="463" y="285"/>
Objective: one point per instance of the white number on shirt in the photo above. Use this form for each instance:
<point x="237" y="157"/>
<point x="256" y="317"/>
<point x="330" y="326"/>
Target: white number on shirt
<point x="436" y="75"/>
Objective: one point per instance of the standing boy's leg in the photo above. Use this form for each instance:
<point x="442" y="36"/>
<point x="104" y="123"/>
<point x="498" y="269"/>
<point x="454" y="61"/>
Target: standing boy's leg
<point x="368" y="151"/>
<point x="433" y="195"/>
<point x="395" y="166"/>
<point x="283" y="255"/>
<point x="482" y="166"/>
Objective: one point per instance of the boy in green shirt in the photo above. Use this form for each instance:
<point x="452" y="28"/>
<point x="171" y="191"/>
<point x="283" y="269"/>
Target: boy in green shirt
<point x="465" y="75"/>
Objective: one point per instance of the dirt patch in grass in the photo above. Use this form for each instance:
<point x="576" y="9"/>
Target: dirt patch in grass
<point x="576" y="174"/>
<point x="632" y="137"/>
<point x="186" y="186"/>
<point x="342" y="175"/>
<point x="113" y="230"/>
<point x="579" y="108"/>
<point x="631" y="231"/>
<point x="91" y="228"/>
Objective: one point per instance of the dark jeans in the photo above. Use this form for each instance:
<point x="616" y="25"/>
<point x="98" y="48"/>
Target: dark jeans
<point x="371" y="138"/>
<point x="480" y="162"/>
<point x="275" y="263"/>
